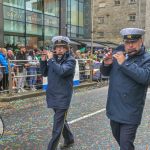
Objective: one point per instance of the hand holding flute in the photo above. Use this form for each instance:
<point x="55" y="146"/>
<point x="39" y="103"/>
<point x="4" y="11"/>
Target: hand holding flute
<point x="108" y="58"/>
<point x="46" y="55"/>
<point x="119" y="56"/>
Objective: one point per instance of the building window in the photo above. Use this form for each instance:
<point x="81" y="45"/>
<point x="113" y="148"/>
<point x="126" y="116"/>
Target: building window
<point x="34" y="18"/>
<point x="13" y="26"/>
<point x="101" y="20"/>
<point x="75" y="17"/>
<point x="14" y="3"/>
<point x="102" y="5"/>
<point x="51" y="7"/>
<point x="117" y="2"/>
<point x="13" y="40"/>
<point x="100" y="34"/>
<point x="12" y="13"/>
<point x="132" y="17"/>
<point x="35" y="5"/>
<point x="132" y="1"/>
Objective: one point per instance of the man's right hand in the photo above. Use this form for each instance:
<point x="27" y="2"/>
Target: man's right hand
<point x="108" y="58"/>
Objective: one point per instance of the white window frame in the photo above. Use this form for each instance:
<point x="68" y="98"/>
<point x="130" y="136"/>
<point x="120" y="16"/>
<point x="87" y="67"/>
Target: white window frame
<point x="100" y="34"/>
<point x="102" y="5"/>
<point x="132" y="17"/>
<point x="132" y="1"/>
<point x="101" y="20"/>
<point x="117" y="2"/>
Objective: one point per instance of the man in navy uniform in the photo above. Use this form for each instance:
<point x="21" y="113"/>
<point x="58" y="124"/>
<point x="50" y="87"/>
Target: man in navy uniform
<point x="59" y="67"/>
<point x="129" y="72"/>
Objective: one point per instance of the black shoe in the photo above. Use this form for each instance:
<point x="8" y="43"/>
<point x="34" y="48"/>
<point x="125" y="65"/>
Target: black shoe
<point x="67" y="145"/>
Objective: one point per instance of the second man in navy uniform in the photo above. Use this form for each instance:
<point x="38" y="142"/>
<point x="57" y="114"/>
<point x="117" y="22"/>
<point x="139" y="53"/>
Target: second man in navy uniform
<point x="59" y="67"/>
<point x="129" y="71"/>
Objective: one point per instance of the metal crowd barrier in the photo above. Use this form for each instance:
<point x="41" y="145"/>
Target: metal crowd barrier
<point x="23" y="77"/>
<point x="85" y="70"/>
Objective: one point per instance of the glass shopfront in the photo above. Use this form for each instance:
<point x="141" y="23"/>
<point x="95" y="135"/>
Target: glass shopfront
<point x="36" y="21"/>
<point x="14" y="19"/>
<point x="14" y="22"/>
<point x="12" y="41"/>
<point x="75" y="18"/>
<point x="51" y="20"/>
<point x="14" y="3"/>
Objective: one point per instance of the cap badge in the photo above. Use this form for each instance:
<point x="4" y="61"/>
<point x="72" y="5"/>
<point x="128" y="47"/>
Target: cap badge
<point x="129" y="36"/>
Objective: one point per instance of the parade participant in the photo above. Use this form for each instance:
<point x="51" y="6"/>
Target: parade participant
<point x="129" y="72"/>
<point x="59" y="68"/>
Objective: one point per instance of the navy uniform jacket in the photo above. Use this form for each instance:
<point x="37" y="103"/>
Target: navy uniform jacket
<point x="60" y="81"/>
<point x="127" y="88"/>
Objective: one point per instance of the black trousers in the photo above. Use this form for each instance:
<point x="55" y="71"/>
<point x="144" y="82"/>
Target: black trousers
<point x="60" y="126"/>
<point x="4" y="82"/>
<point x="124" y="134"/>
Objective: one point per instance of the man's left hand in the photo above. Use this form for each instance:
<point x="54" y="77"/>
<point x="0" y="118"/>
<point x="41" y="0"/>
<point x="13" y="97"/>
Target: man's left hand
<point x="49" y="54"/>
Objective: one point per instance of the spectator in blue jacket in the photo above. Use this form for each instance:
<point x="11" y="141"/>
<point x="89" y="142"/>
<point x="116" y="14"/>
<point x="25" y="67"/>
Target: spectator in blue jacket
<point x="129" y="71"/>
<point x="59" y="68"/>
<point x="4" y="68"/>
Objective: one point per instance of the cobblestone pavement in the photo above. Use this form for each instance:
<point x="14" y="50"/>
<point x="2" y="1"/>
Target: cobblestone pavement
<point x="28" y="123"/>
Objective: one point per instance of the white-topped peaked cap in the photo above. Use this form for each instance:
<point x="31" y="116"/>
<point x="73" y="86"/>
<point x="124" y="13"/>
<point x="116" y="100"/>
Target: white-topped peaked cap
<point x="60" y="40"/>
<point x="132" y="33"/>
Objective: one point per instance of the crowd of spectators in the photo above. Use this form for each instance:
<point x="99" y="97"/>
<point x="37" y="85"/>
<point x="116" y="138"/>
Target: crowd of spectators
<point x="24" y="65"/>
<point x="25" y="72"/>
<point x="91" y="61"/>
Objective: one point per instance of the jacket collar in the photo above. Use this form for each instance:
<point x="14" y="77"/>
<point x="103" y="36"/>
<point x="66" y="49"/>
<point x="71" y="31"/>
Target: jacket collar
<point x="62" y="59"/>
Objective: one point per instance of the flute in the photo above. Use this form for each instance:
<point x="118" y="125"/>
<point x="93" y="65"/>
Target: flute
<point x="109" y="56"/>
<point x="121" y="52"/>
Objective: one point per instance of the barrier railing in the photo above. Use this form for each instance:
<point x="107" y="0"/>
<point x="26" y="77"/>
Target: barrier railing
<point x="24" y="75"/>
<point x="85" y="70"/>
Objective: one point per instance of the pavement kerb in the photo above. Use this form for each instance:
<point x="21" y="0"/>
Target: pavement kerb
<point x="39" y="93"/>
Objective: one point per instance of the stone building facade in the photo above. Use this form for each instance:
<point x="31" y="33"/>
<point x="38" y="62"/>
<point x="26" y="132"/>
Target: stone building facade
<point x="110" y="16"/>
<point x="147" y="25"/>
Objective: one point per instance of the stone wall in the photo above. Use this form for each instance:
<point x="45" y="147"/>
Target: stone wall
<point x="147" y="25"/>
<point x="116" y="17"/>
